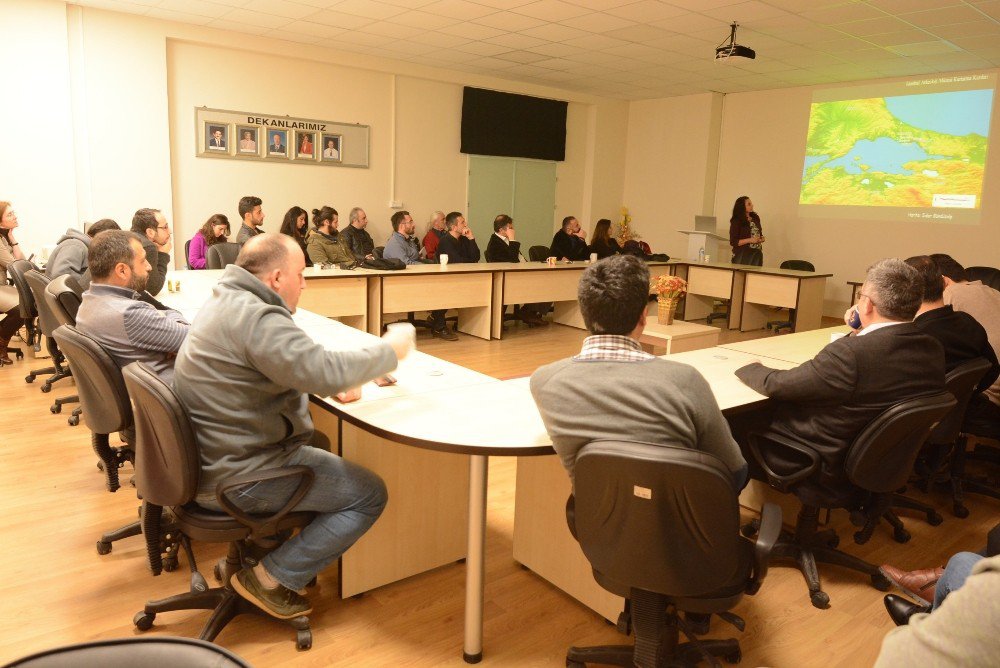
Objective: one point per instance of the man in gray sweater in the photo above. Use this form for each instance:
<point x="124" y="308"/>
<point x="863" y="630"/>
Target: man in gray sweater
<point x="70" y="254"/>
<point x="244" y="375"/>
<point x="613" y="390"/>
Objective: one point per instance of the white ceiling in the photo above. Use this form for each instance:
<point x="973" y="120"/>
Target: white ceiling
<point x="629" y="49"/>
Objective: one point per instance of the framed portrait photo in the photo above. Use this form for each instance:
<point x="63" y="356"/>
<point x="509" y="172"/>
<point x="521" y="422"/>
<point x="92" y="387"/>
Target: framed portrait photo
<point x="277" y="144"/>
<point x="305" y="145"/>
<point x="247" y="140"/>
<point x="216" y="137"/>
<point x="331" y="148"/>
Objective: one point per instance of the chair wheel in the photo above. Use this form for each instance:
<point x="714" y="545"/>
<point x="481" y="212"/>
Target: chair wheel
<point x="100" y="466"/>
<point x="820" y="600"/>
<point x="170" y="564"/>
<point x="144" y="620"/>
<point x="55" y="408"/>
<point x="73" y="420"/>
<point x="901" y="535"/>
<point x="833" y="542"/>
<point x="19" y="355"/>
<point x="734" y="657"/>
<point x="29" y="379"/>
<point x="303" y="639"/>
<point x="103" y="547"/>
<point x="881" y="582"/>
<point x="46" y="387"/>
<point x="934" y="519"/>
<point x="960" y="511"/>
<point x="750" y="529"/>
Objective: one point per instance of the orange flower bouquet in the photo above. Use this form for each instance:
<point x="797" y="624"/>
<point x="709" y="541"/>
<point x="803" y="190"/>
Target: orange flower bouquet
<point x="669" y="290"/>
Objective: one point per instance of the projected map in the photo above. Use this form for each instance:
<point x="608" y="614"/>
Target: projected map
<point x="918" y="151"/>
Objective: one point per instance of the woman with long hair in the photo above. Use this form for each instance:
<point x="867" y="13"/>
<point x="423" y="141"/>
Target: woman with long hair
<point x="296" y="225"/>
<point x="216" y="230"/>
<point x="10" y="250"/>
<point x="602" y="242"/>
<point x="746" y="235"/>
<point x="435" y="230"/>
<point x="326" y="245"/>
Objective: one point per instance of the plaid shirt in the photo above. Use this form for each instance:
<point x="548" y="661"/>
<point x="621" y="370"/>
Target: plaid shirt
<point x="612" y="348"/>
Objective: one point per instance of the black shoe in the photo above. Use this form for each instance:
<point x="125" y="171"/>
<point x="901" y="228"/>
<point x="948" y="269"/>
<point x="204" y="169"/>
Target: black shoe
<point x="901" y="609"/>
<point x="445" y="334"/>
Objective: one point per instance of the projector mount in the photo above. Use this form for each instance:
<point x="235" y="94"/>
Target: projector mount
<point x="730" y="48"/>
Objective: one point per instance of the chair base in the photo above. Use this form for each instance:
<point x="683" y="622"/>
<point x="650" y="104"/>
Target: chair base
<point x="57" y="405"/>
<point x="32" y="375"/>
<point x="104" y="544"/>
<point x="685" y="654"/>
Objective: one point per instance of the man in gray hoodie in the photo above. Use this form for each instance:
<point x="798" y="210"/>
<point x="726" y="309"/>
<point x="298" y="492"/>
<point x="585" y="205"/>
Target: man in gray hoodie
<point x="244" y="375"/>
<point x="70" y="253"/>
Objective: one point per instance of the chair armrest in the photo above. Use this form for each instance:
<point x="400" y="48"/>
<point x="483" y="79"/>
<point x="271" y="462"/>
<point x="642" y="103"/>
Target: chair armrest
<point x="775" y="478"/>
<point x="263" y="528"/>
<point x="767" y="536"/>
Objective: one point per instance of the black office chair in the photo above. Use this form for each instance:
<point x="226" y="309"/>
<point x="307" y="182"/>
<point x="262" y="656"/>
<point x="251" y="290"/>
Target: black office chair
<point x="162" y="652"/>
<point x="37" y="282"/>
<point x="988" y="275"/>
<point x="660" y="526"/>
<point x="797" y="265"/>
<point x="63" y="296"/>
<point x="167" y="467"/>
<point x="378" y="252"/>
<point x="187" y="253"/>
<point x="107" y="411"/>
<point x="222" y="255"/>
<point x="17" y="352"/>
<point x="878" y="462"/>
<point x="538" y="253"/>
<point x="29" y="313"/>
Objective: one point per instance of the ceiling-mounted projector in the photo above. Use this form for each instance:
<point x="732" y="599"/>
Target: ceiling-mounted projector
<point x="730" y="48"/>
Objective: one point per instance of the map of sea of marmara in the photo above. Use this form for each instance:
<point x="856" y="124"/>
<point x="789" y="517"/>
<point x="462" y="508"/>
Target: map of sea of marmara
<point x="858" y="153"/>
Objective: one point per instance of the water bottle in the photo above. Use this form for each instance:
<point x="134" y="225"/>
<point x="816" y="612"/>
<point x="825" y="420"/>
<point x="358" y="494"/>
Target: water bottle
<point x="701" y="255"/>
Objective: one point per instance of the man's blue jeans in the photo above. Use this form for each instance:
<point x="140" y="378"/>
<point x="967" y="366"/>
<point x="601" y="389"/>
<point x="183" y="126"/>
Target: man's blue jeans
<point x="954" y="576"/>
<point x="347" y="496"/>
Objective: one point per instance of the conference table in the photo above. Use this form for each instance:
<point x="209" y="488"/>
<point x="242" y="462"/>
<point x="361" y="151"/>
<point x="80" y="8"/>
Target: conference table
<point x="452" y="419"/>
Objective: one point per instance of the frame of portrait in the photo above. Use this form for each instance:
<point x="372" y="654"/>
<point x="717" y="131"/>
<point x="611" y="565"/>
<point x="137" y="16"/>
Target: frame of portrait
<point x="270" y="151"/>
<point x="248" y="140"/>
<point x="305" y="139"/>
<point x="326" y="155"/>
<point x="216" y="133"/>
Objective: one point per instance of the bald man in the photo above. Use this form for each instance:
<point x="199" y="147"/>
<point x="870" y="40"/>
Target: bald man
<point x="243" y="375"/>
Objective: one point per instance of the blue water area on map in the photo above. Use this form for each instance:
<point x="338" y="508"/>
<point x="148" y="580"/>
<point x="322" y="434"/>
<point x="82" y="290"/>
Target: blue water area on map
<point x="882" y="155"/>
<point x="957" y="113"/>
<point x="812" y="160"/>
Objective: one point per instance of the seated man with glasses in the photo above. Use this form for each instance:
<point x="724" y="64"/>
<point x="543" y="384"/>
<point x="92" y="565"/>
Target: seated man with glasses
<point x="154" y="231"/>
<point x="824" y="403"/>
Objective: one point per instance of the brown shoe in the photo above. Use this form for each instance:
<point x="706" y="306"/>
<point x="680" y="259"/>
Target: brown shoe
<point x="280" y="602"/>
<point x="920" y="584"/>
<point x="4" y="357"/>
<point x="445" y="334"/>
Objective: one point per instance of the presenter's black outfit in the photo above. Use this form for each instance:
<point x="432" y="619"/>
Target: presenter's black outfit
<point x="750" y="254"/>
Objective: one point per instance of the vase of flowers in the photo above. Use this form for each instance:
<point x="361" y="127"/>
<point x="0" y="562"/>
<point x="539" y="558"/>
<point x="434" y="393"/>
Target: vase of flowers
<point x="669" y="290"/>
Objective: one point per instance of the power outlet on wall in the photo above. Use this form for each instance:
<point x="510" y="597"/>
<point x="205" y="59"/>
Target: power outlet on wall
<point x="395" y="204"/>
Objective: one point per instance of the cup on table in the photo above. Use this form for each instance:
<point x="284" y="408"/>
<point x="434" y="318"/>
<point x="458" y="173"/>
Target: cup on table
<point x="708" y="258"/>
<point x="443" y="259"/>
<point x="593" y="258"/>
<point x="551" y="261"/>
<point x="170" y="285"/>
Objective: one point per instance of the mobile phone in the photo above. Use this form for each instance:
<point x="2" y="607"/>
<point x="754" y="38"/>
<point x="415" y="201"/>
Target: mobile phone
<point x="383" y="381"/>
<point x="855" y="320"/>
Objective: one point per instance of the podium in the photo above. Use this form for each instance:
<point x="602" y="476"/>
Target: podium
<point x="710" y="241"/>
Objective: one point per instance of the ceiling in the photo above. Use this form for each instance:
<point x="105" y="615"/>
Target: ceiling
<point x="628" y="49"/>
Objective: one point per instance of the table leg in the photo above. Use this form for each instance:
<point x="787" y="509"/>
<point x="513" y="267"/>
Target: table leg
<point x="475" y="563"/>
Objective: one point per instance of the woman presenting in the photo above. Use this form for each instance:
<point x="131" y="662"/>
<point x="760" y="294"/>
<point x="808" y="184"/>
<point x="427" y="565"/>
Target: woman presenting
<point x="745" y="233"/>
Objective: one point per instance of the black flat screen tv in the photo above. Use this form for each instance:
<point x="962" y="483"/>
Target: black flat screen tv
<point x="515" y="126"/>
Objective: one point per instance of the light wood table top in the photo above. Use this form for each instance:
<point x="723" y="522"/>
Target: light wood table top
<point x="718" y="365"/>
<point x="795" y="348"/>
<point x="678" y="329"/>
<point x="750" y="269"/>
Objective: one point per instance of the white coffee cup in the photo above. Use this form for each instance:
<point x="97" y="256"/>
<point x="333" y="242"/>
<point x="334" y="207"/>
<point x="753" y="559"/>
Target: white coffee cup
<point x="593" y="258"/>
<point x="443" y="259"/>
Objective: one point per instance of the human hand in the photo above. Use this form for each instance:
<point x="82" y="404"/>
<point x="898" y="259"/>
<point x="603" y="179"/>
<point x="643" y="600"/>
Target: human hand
<point x="852" y="318"/>
<point x="401" y="339"/>
<point x="582" y="233"/>
<point x="467" y="233"/>
<point x="165" y="248"/>
<point x="510" y="234"/>
<point x="347" y="396"/>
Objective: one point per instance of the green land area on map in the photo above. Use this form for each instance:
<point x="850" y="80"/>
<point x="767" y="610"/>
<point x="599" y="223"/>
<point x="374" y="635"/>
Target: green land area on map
<point x="954" y="164"/>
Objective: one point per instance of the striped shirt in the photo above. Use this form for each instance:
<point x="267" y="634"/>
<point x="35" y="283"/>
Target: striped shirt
<point x="612" y="348"/>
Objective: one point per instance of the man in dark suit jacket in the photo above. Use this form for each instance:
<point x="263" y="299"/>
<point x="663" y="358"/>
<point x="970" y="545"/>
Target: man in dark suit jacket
<point x="570" y="243"/>
<point x="503" y="248"/>
<point x="826" y="402"/>
<point x="458" y="243"/>
<point x="961" y="335"/>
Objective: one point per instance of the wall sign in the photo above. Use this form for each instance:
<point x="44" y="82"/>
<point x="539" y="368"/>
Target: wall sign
<point x="241" y="135"/>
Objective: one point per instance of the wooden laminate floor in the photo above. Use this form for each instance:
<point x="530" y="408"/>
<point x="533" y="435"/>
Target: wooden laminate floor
<point x="56" y="589"/>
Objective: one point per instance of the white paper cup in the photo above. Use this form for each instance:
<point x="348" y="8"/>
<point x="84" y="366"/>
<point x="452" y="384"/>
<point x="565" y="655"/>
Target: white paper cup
<point x="551" y="261"/>
<point x="593" y="258"/>
<point x="443" y="259"/>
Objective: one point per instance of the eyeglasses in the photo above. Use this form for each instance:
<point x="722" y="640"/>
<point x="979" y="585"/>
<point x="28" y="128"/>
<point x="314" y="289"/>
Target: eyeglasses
<point x="866" y="296"/>
<point x="163" y="227"/>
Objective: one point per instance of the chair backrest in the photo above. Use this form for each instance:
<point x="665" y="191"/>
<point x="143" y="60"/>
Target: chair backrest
<point x="960" y="382"/>
<point x="881" y="458"/>
<point x="538" y="253"/>
<point x="98" y="381"/>
<point x="379" y="251"/>
<point x="166" y="454"/>
<point x="37" y="282"/>
<point x="988" y="275"/>
<point x="798" y="265"/>
<point x="660" y="518"/>
<point x="64" y="297"/>
<point x="132" y="652"/>
<point x="187" y="253"/>
<point x="222" y="255"/>
<point x="16" y="270"/>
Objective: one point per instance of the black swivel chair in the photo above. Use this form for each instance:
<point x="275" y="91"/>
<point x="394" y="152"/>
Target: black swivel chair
<point x="167" y="467"/>
<point x="134" y="653"/>
<point x="988" y="275"/>
<point x="18" y="353"/>
<point x="107" y="410"/>
<point x="63" y="296"/>
<point x="187" y="253"/>
<point x="29" y="312"/>
<point x="538" y="253"/>
<point x="222" y="255"/>
<point x="37" y="282"/>
<point x="661" y="527"/>
<point x="797" y="265"/>
<point x="878" y="462"/>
